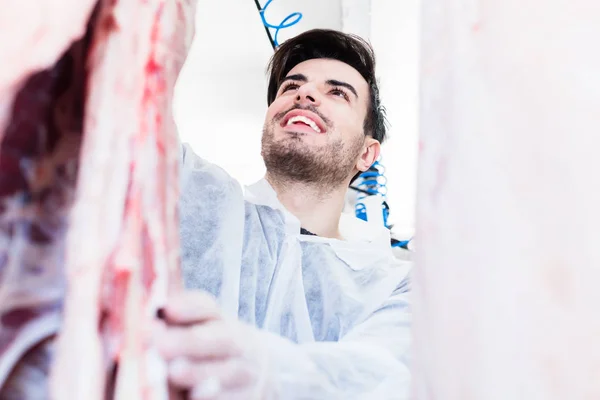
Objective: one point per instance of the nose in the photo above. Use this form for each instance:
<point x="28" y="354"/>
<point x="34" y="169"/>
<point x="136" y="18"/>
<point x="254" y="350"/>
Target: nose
<point x="308" y="94"/>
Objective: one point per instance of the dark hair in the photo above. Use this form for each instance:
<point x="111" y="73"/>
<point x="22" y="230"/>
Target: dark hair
<point x="347" y="48"/>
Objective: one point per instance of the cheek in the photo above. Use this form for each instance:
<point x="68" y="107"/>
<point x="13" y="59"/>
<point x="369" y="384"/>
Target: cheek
<point x="349" y="125"/>
<point x="278" y="106"/>
<point x="359" y="124"/>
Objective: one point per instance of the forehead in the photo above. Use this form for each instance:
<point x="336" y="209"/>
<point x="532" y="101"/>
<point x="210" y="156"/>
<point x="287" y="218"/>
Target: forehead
<point x="323" y="69"/>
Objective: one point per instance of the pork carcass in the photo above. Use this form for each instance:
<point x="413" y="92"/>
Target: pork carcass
<point x="88" y="200"/>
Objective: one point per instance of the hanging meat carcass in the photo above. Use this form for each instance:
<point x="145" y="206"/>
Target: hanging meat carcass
<point x="88" y="195"/>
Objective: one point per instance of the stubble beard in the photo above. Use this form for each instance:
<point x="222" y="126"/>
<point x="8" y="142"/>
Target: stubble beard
<point x="291" y="160"/>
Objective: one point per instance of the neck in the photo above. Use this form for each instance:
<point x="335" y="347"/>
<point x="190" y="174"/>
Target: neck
<point x="318" y="209"/>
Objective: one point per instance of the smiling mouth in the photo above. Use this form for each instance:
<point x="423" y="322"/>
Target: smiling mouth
<point x="303" y="121"/>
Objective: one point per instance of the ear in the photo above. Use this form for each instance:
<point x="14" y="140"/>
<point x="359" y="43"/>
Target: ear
<point x="369" y="154"/>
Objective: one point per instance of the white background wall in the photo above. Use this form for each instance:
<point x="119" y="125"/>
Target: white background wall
<point x="221" y="94"/>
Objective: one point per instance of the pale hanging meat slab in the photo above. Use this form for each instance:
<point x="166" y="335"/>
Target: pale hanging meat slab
<point x="88" y="196"/>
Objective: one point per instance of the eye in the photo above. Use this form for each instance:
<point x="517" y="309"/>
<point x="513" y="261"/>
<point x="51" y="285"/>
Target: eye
<point x="339" y="92"/>
<point x="289" y="86"/>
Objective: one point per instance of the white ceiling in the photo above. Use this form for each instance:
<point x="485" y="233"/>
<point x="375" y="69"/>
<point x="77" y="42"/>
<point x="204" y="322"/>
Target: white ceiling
<point x="221" y="94"/>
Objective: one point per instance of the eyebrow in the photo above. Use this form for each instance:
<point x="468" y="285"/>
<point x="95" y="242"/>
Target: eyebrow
<point x="330" y="82"/>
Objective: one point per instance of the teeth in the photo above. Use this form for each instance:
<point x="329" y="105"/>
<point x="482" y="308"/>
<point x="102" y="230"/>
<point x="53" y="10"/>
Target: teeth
<point x="307" y="121"/>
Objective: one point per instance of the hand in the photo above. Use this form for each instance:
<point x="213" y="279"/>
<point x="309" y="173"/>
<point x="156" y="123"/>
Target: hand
<point x="209" y="356"/>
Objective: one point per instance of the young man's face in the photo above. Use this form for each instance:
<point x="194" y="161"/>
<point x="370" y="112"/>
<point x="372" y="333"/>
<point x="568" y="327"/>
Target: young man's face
<point x="314" y="129"/>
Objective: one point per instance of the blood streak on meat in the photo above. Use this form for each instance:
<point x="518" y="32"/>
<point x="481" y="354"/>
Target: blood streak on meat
<point x="99" y="117"/>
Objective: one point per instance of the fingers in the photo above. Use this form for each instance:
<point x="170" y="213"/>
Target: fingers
<point x="205" y="351"/>
<point x="208" y="341"/>
<point x="209" y="377"/>
<point x="210" y="389"/>
<point x="191" y="306"/>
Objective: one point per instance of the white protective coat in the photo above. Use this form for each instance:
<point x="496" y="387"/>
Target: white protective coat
<point x="336" y="314"/>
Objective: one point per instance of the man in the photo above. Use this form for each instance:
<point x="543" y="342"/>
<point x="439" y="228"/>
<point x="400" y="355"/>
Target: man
<point x="308" y="304"/>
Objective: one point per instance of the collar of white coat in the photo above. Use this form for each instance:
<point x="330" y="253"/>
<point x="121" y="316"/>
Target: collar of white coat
<point x="373" y="241"/>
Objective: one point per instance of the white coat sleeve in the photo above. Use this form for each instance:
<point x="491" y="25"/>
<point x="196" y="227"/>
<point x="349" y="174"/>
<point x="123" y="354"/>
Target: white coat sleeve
<point x="370" y="362"/>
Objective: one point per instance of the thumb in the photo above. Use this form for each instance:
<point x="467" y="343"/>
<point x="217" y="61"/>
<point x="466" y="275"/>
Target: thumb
<point x="190" y="307"/>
